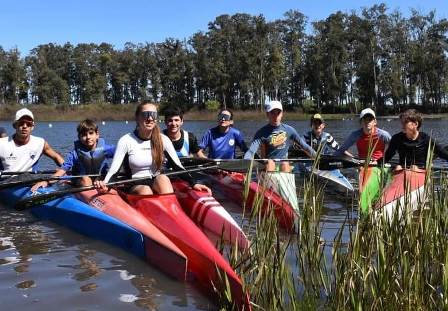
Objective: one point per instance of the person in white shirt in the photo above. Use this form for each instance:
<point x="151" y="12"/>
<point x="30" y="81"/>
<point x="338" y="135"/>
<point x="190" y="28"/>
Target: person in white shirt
<point x="22" y="151"/>
<point x="143" y="153"/>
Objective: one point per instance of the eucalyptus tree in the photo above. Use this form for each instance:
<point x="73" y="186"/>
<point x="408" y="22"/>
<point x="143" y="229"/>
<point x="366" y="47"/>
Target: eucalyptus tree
<point x="176" y="73"/>
<point x="328" y="62"/>
<point x="428" y="68"/>
<point x="13" y="81"/>
<point x="275" y="82"/>
<point x="203" y="68"/>
<point x="104" y="68"/>
<point x="50" y="74"/>
<point x="395" y="63"/>
<point x="293" y="37"/>
<point x="90" y="81"/>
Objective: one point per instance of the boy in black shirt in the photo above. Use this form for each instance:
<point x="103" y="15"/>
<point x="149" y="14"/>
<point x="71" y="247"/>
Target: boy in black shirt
<point x="184" y="142"/>
<point x="412" y="144"/>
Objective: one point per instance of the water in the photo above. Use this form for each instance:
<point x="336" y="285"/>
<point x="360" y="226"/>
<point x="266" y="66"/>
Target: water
<point x="43" y="265"/>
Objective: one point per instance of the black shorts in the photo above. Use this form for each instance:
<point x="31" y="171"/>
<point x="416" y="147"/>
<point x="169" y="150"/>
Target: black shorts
<point x="147" y="182"/>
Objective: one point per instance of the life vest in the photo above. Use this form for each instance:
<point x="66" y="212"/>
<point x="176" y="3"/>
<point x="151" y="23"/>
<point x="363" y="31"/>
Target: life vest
<point x="325" y="139"/>
<point x="371" y="143"/>
<point x="185" y="150"/>
<point x="90" y="161"/>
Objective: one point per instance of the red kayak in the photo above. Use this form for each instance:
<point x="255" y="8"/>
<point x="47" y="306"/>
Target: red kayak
<point x="165" y="212"/>
<point x="160" y="251"/>
<point x="209" y="215"/>
<point x="232" y="185"/>
<point x="407" y="187"/>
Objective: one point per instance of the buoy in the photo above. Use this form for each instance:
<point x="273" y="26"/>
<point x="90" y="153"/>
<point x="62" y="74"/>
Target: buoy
<point x="103" y="122"/>
<point x="50" y="125"/>
<point x="127" y="122"/>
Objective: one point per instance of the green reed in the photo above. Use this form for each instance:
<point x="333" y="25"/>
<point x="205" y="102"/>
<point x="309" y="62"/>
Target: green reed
<point x="381" y="263"/>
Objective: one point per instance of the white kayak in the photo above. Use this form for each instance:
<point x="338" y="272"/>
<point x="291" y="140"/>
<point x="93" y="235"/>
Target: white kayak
<point x="285" y="185"/>
<point x="333" y="176"/>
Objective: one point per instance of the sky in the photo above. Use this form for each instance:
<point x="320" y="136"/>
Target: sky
<point x="25" y="24"/>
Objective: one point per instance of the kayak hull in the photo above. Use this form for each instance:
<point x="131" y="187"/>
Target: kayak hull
<point x="285" y="185"/>
<point x="232" y="185"/>
<point x="209" y="215"/>
<point x="204" y="260"/>
<point x="159" y="250"/>
<point x="371" y="183"/>
<point x="80" y="217"/>
<point x="404" y="193"/>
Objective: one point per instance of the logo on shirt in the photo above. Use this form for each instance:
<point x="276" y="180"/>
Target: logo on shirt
<point x="32" y="155"/>
<point x="11" y="157"/>
<point x="231" y="142"/>
<point x="278" y="139"/>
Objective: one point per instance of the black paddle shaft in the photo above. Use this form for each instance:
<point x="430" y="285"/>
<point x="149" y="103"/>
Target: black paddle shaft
<point x="40" y="199"/>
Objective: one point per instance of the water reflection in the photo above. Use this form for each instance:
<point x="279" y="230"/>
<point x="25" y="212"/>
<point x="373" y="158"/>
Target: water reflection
<point x="51" y="265"/>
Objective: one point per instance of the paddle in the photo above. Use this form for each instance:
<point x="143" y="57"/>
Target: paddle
<point x="325" y="162"/>
<point x="3" y="173"/>
<point x="39" y="199"/>
<point x="233" y="165"/>
<point x="29" y="179"/>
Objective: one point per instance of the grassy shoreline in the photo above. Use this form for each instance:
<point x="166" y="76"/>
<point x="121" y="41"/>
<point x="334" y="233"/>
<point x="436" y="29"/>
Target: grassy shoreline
<point x="109" y="112"/>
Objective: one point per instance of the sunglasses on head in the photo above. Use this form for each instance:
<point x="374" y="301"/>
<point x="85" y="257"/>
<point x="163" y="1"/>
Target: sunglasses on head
<point x="21" y="123"/>
<point x="224" y="117"/>
<point x="149" y="115"/>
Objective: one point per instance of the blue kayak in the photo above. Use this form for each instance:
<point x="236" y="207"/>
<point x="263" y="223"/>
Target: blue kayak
<point x="80" y="217"/>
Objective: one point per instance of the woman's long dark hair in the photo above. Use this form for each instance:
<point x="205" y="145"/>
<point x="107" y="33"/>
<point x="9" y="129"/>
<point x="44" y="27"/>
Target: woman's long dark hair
<point x="156" y="138"/>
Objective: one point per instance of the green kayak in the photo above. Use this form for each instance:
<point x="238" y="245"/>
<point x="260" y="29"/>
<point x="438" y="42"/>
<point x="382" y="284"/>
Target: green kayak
<point x="371" y="182"/>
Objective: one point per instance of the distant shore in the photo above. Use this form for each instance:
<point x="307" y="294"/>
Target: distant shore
<point x="109" y="112"/>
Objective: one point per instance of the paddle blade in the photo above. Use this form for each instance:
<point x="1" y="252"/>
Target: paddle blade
<point x="328" y="162"/>
<point x="22" y="180"/>
<point x="34" y="200"/>
<point x="42" y="198"/>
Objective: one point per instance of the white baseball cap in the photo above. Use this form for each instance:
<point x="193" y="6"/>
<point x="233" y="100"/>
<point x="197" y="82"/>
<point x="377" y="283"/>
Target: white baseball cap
<point x="367" y="111"/>
<point x="24" y="112"/>
<point x="273" y="104"/>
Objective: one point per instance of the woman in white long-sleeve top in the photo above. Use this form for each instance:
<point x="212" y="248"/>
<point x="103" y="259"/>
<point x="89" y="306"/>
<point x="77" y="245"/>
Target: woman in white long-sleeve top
<point x="143" y="152"/>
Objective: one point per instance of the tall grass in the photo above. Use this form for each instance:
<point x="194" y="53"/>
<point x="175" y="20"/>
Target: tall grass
<point x="399" y="263"/>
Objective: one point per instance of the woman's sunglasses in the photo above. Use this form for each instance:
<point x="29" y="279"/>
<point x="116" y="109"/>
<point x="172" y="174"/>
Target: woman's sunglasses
<point x="224" y="117"/>
<point x="149" y="115"/>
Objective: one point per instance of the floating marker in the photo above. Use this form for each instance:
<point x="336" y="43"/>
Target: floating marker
<point x="50" y="125"/>
<point x="103" y="122"/>
<point x="127" y="122"/>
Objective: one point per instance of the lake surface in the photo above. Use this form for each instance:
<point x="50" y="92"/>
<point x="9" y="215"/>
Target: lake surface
<point x="45" y="266"/>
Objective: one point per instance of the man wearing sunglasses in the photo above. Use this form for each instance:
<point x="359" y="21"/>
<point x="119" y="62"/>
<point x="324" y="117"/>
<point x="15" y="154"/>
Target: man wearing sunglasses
<point x="22" y="151"/>
<point x="222" y="140"/>
<point x="184" y="142"/>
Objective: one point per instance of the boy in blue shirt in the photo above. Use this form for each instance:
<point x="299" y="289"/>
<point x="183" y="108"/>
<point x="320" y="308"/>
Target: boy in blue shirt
<point x="88" y="156"/>
<point x="223" y="139"/>
<point x="275" y="138"/>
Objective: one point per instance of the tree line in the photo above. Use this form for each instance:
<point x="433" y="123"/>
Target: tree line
<point x="347" y="61"/>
